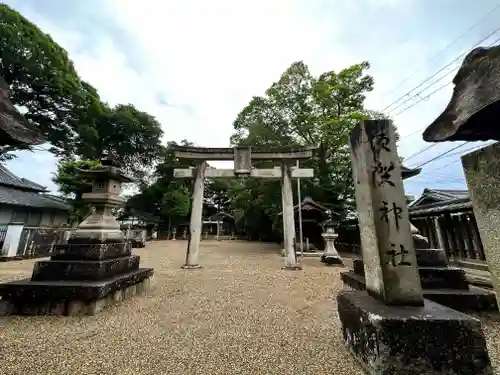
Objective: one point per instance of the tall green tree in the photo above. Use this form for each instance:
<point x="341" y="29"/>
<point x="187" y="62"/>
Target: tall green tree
<point x="300" y="109"/>
<point x="43" y="81"/>
<point x="167" y="198"/>
<point x="133" y="135"/>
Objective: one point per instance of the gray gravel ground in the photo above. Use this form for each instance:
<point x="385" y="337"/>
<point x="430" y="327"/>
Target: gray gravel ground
<point x="240" y="314"/>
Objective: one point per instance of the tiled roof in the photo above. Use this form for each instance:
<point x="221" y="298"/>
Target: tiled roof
<point x="438" y="197"/>
<point x="13" y="196"/>
<point x="450" y="194"/>
<point x="7" y="178"/>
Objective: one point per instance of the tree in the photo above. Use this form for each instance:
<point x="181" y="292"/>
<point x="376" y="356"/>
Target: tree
<point x="73" y="184"/>
<point x="167" y="198"/>
<point x="131" y="134"/>
<point x="42" y="80"/>
<point x="300" y="109"/>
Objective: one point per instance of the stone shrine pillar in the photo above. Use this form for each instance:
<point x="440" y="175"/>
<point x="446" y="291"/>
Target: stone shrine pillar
<point x="392" y="329"/>
<point x="482" y="172"/>
<point x="330" y="256"/>
<point x="288" y="218"/>
<point x="386" y="240"/>
<point x="195" y="224"/>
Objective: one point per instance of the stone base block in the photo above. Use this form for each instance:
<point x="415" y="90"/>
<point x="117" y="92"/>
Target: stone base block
<point x="473" y="299"/>
<point x="331" y="260"/>
<point x="428" y="340"/>
<point x="91" y="251"/>
<point x="431" y="258"/>
<point x="28" y="290"/>
<point x="431" y="277"/>
<point x="84" y="269"/>
<point x="292" y="268"/>
<point x="191" y="267"/>
<point x="73" y="307"/>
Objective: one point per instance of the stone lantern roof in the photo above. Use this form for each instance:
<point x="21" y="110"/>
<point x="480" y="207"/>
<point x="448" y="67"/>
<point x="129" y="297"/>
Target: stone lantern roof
<point x="474" y="107"/>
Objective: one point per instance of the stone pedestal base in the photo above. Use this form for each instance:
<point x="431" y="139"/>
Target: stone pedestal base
<point x="78" y="279"/>
<point x="191" y="267"/>
<point x="331" y="260"/>
<point x="428" y="340"/>
<point x="27" y="297"/>
<point x="292" y="268"/>
<point x="440" y="283"/>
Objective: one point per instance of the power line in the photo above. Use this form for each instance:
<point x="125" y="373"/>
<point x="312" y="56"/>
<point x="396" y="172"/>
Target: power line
<point x="440" y="70"/>
<point x="471" y="149"/>
<point x="421" y="151"/>
<point x="425" y="89"/>
<point x="432" y="84"/>
<point x="423" y="98"/>
<point x="441" y="155"/>
<point x="445" y="48"/>
<point x="426" y="98"/>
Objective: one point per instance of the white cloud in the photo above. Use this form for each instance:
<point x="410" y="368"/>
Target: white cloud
<point x="211" y="57"/>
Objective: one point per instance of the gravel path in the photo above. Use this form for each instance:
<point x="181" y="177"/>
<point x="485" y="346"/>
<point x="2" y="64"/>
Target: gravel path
<point x="241" y="314"/>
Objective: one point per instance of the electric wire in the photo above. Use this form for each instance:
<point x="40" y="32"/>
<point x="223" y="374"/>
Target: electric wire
<point x="445" y="48"/>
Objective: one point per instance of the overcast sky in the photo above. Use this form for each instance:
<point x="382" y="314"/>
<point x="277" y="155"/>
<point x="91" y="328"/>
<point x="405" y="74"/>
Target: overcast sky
<point x="195" y="64"/>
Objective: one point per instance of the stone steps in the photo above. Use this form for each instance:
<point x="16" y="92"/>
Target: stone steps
<point x="473" y="299"/>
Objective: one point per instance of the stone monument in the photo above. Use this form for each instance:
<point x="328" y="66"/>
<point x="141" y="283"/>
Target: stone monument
<point x="243" y="158"/>
<point x="390" y="328"/>
<point x="94" y="270"/>
<point x="330" y="256"/>
<point x="472" y="115"/>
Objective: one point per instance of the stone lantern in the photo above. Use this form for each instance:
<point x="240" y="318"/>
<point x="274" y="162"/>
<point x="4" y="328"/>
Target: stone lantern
<point x="330" y="256"/>
<point x="101" y="226"/>
<point x="94" y="270"/>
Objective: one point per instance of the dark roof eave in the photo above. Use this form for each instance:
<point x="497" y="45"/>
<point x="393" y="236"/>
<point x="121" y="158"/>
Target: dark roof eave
<point x="449" y="206"/>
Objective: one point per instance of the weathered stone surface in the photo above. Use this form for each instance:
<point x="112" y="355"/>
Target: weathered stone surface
<point x="91" y="251"/>
<point x="431" y="277"/>
<point x="411" y="340"/>
<point x="419" y="241"/>
<point x="118" y="296"/>
<point x="6" y="308"/>
<point x="431" y="258"/>
<point x="473" y="111"/>
<point x="95" y="307"/>
<point x="84" y="270"/>
<point x="331" y="260"/>
<point x="386" y="239"/>
<point x="76" y="308"/>
<point x="482" y="172"/>
<point x="473" y="299"/>
<point x="24" y="290"/>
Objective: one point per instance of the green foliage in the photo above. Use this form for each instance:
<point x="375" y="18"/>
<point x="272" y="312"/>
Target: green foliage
<point x="131" y="134"/>
<point x="73" y="184"/>
<point x="167" y="198"/>
<point x="301" y="109"/>
<point x="68" y="111"/>
<point x="42" y="80"/>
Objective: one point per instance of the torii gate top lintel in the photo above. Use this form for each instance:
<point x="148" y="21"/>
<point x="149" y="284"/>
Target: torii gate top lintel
<point x="257" y="153"/>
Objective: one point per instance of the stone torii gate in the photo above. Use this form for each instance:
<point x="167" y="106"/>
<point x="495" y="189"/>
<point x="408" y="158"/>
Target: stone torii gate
<point x="243" y="158"/>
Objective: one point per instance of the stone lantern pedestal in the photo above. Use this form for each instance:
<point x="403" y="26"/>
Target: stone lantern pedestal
<point x="330" y="256"/>
<point x="94" y="270"/>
